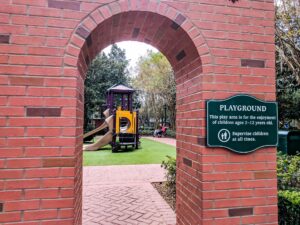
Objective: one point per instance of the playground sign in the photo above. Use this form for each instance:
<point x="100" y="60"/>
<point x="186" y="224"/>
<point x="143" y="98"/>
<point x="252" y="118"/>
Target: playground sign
<point x="242" y="123"/>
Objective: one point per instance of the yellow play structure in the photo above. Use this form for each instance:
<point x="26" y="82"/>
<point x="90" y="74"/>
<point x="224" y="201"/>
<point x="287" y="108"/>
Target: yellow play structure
<point x="121" y="121"/>
<point x="128" y="118"/>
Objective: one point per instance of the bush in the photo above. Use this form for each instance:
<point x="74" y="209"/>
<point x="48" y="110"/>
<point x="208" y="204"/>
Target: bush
<point x="146" y="132"/>
<point x="288" y="172"/>
<point x="171" y="133"/>
<point x="288" y="176"/>
<point x="170" y="166"/>
<point x="149" y="132"/>
<point x="288" y="207"/>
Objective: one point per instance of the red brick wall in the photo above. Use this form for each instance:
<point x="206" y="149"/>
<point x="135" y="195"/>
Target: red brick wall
<point x="217" y="49"/>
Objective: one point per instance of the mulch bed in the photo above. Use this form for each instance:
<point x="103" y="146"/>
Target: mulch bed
<point x="165" y="193"/>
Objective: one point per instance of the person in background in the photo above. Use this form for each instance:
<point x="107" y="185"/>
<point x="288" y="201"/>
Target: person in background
<point x="163" y="130"/>
<point x="158" y="131"/>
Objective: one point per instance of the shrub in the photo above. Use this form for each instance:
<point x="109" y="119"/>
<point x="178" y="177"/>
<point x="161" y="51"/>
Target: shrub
<point x="288" y="207"/>
<point x="149" y="132"/>
<point x="288" y="176"/>
<point x="170" y="166"/>
<point x="146" y="132"/>
<point x="288" y="172"/>
<point x="171" y="133"/>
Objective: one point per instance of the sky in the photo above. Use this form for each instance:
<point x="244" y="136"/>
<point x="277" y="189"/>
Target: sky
<point x="133" y="50"/>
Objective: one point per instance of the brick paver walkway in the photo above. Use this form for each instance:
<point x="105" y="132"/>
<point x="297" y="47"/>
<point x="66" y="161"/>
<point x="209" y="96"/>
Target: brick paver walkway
<point x="124" y="195"/>
<point x="169" y="141"/>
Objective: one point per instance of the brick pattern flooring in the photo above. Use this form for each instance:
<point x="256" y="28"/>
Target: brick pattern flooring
<point x="124" y="195"/>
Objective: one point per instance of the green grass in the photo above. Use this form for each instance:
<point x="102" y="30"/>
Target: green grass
<point x="150" y="152"/>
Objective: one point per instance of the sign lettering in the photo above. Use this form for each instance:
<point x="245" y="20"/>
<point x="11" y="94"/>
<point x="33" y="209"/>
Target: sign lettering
<point x="242" y="123"/>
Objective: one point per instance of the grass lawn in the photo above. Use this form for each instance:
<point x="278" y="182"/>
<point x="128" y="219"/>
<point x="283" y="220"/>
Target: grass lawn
<point x="150" y="152"/>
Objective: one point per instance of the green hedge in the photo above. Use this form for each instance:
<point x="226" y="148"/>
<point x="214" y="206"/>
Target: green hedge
<point x="288" y="172"/>
<point x="171" y="133"/>
<point x="146" y="132"/>
<point x="288" y="207"/>
<point x="149" y="132"/>
<point x="288" y="176"/>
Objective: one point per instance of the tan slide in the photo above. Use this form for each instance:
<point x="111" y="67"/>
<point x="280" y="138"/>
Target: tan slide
<point x="101" y="127"/>
<point x="105" y="140"/>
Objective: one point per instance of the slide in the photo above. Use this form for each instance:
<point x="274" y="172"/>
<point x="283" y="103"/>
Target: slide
<point x="106" y="139"/>
<point x="104" y="125"/>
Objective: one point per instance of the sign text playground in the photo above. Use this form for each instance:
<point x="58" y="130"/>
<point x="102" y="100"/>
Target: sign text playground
<point x="241" y="123"/>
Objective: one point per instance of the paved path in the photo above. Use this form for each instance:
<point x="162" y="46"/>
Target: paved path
<point x="169" y="141"/>
<point x="124" y="195"/>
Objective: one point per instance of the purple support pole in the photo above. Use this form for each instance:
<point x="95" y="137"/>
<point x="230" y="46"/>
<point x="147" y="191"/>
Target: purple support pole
<point x="137" y="135"/>
<point x="123" y="102"/>
<point x="130" y="102"/>
<point x="114" y="138"/>
<point x="111" y="102"/>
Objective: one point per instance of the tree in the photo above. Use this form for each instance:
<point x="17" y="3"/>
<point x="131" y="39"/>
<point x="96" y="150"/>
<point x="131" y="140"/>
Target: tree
<point x="287" y="39"/>
<point x="156" y="82"/>
<point x="288" y="94"/>
<point x="104" y="72"/>
<point x="287" y="35"/>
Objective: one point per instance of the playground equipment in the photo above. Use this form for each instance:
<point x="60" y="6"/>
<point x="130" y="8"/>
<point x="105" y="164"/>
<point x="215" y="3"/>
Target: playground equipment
<point x="120" y="119"/>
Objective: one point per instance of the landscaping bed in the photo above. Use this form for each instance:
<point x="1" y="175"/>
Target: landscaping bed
<point x="167" y="189"/>
<point x="164" y="191"/>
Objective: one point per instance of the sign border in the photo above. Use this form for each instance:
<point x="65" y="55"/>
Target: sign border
<point x="239" y="95"/>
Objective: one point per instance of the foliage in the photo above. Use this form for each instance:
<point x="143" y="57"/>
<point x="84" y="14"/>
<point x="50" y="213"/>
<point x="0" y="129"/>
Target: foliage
<point x="288" y="207"/>
<point x="288" y="175"/>
<point x="171" y="133"/>
<point x="146" y="132"/>
<point x="288" y="59"/>
<point x="170" y="166"/>
<point x="104" y="72"/>
<point x="289" y="105"/>
<point x="288" y="172"/>
<point x="287" y="34"/>
<point x="150" y="152"/>
<point x="149" y="132"/>
<point x="292" y="196"/>
<point x="288" y="93"/>
<point x="156" y="82"/>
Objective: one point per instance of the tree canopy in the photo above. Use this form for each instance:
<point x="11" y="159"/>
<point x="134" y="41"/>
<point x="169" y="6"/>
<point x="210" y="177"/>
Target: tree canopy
<point x="288" y="35"/>
<point x="287" y="39"/>
<point x="156" y="82"/>
<point x="104" y="72"/>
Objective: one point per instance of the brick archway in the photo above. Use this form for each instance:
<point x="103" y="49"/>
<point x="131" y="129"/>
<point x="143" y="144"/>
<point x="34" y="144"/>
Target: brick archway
<point x="154" y="23"/>
<point x="217" y="49"/>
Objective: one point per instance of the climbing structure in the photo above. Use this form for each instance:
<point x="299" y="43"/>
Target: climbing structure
<point x="120" y="119"/>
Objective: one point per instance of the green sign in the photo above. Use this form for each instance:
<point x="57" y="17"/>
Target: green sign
<point x="242" y="123"/>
